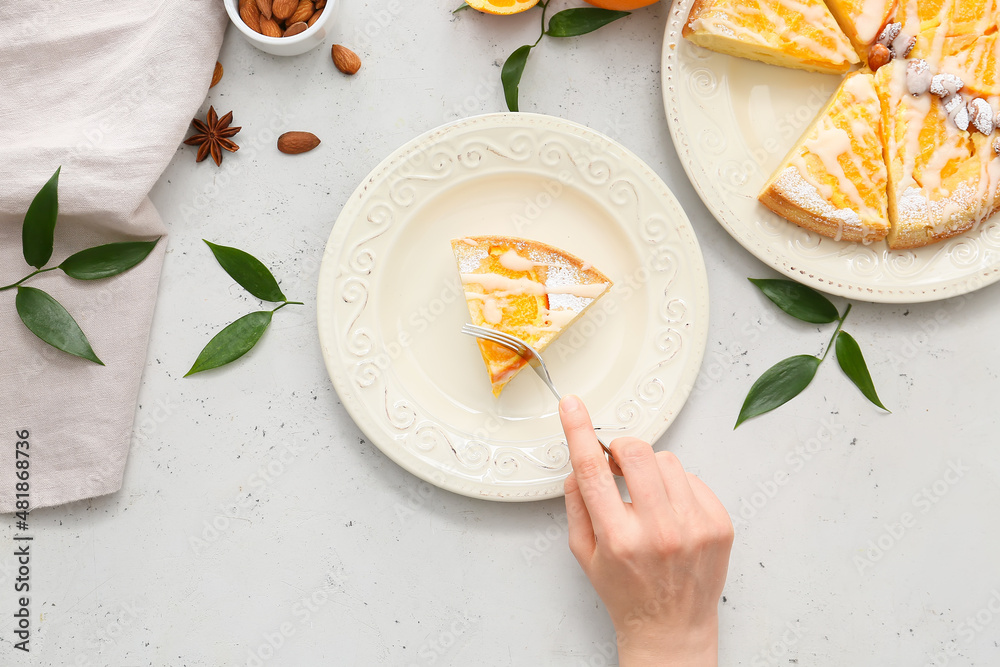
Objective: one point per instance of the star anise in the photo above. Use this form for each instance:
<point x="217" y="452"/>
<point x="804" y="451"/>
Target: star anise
<point x="213" y="136"/>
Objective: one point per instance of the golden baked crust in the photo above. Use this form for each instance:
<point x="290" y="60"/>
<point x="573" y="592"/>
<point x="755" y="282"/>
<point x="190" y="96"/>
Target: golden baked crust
<point x="525" y="288"/>
<point x="833" y="181"/>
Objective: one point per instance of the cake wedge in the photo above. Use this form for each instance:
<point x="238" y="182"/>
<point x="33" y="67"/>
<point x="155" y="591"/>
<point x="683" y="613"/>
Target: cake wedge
<point x="525" y="288"/>
<point x="943" y="180"/>
<point x="833" y="181"/>
<point x="801" y="34"/>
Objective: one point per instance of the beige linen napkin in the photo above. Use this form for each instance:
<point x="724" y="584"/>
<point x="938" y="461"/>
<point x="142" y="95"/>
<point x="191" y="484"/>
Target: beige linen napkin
<point x="107" y="90"/>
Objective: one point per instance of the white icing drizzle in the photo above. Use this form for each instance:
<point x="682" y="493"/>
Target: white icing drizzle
<point x="511" y="261"/>
<point x="492" y="282"/>
<point x="869" y="20"/>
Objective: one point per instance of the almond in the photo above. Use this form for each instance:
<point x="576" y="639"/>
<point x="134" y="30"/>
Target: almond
<point x="878" y="56"/>
<point x="294" y="143"/>
<point x="282" y="9"/>
<point x="216" y="75"/>
<point x="296" y="28"/>
<point x="320" y="4"/>
<point x="250" y="14"/>
<point x="315" y="17"/>
<point x="270" y="28"/>
<point x="265" y="8"/>
<point x="347" y="61"/>
<point x="302" y="13"/>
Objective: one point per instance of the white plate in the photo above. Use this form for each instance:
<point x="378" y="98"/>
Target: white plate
<point x="391" y="303"/>
<point x="733" y="121"/>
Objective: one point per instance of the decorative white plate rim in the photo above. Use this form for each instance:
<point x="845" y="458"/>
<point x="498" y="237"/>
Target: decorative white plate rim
<point x="957" y="266"/>
<point x="395" y="428"/>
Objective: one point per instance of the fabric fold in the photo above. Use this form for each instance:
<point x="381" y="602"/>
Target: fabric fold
<point x="107" y="91"/>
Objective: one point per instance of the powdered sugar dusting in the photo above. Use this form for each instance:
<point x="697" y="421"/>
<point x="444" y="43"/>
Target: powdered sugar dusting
<point x="803" y="194"/>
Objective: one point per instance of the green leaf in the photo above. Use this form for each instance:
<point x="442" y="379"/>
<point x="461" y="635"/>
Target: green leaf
<point x="853" y="363"/>
<point x="248" y="271"/>
<point x="798" y="300"/>
<point x="511" y="73"/>
<point x="778" y="385"/>
<point x="46" y="318"/>
<point x="40" y="223"/>
<point x="461" y="7"/>
<point x="232" y="342"/>
<point x="105" y="261"/>
<point x="580" y="21"/>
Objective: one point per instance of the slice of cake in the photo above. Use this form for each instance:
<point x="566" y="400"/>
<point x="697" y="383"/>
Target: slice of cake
<point x="526" y="289"/>
<point x="801" y="34"/>
<point x="958" y="37"/>
<point x="834" y="180"/>
<point x="862" y="20"/>
<point x="943" y="177"/>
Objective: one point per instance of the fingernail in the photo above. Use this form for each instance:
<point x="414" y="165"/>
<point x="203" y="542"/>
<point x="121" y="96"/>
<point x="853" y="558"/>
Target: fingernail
<point x="570" y="403"/>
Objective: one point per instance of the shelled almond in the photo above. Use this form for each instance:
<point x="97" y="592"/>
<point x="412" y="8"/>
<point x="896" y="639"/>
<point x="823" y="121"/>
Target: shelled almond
<point x="280" y="18"/>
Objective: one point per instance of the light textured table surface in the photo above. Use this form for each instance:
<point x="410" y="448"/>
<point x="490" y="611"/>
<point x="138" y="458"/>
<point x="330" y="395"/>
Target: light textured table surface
<point x="257" y="526"/>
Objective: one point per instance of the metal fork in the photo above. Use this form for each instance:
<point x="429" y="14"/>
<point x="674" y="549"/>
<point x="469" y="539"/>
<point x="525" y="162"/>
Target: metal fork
<point x="529" y="354"/>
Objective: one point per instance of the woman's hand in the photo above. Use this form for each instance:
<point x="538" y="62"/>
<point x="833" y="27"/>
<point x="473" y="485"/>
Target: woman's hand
<point x="659" y="562"/>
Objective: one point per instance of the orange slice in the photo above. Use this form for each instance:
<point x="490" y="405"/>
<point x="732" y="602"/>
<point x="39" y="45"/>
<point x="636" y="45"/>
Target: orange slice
<point x="834" y="180"/>
<point x="502" y="6"/>
<point x="942" y="180"/>
<point x="525" y="288"/>
<point x="801" y="34"/>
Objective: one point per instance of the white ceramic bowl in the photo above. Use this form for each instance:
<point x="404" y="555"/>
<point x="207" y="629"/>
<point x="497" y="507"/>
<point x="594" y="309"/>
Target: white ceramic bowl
<point x="285" y="46"/>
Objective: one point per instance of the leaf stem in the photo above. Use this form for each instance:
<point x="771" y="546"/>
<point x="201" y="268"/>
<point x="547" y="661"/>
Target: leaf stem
<point x="545" y="7"/>
<point x="840" y="323"/>
<point x="288" y="303"/>
<point x="30" y="275"/>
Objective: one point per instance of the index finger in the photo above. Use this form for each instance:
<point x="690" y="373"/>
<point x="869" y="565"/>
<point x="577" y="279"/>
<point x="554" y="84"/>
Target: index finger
<point x="597" y="484"/>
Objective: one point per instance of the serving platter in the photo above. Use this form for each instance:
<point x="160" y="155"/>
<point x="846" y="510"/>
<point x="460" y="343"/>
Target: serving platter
<point x="733" y="121"/>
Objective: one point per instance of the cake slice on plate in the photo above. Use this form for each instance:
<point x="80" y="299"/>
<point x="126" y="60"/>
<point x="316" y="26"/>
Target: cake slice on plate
<point x="834" y="180"/>
<point x="524" y="288"/>
<point x="944" y="176"/>
<point x="801" y="34"/>
<point x="862" y="20"/>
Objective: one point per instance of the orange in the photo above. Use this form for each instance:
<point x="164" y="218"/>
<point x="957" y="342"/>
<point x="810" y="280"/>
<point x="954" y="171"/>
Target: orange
<point x="625" y="5"/>
<point x="502" y="6"/>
